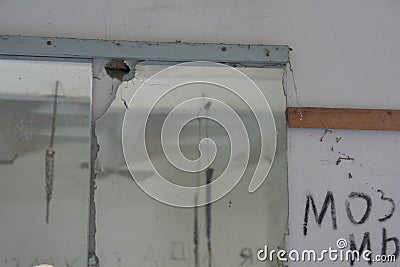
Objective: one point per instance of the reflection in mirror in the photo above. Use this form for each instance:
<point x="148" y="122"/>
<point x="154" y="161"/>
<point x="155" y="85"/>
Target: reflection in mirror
<point x="44" y="141"/>
<point x="134" y="229"/>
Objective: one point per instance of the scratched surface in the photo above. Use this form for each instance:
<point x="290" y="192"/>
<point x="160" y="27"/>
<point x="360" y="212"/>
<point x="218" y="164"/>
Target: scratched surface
<point x="26" y="107"/>
<point x="135" y="230"/>
<point x="354" y="177"/>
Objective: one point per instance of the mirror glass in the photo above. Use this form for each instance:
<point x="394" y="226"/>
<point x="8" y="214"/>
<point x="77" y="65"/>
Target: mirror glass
<point x="136" y="229"/>
<point x="44" y="159"/>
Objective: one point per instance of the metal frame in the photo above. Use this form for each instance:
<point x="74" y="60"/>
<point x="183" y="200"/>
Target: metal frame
<point x="66" y="49"/>
<point x="177" y="51"/>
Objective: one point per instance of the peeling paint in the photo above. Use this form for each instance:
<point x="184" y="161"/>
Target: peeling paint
<point x="108" y="74"/>
<point x="93" y="260"/>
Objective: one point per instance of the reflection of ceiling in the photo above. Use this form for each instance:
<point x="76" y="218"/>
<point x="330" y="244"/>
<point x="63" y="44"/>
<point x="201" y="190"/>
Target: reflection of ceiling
<point x="38" y="78"/>
<point x="266" y="78"/>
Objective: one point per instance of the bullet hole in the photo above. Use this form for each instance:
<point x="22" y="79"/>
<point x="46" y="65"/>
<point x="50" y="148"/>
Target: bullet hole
<point x="350" y="175"/>
<point x="117" y="69"/>
<point x="389" y="112"/>
<point x="223" y="49"/>
<point x="49" y="42"/>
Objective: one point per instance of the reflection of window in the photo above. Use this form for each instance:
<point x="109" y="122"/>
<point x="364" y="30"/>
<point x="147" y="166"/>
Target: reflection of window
<point x="132" y="228"/>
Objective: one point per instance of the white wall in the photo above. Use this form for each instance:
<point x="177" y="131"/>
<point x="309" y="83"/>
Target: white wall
<point x="346" y="54"/>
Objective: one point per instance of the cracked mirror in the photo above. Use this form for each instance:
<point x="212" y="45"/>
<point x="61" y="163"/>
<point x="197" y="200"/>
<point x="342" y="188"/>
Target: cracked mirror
<point x="143" y="220"/>
<point x="44" y="154"/>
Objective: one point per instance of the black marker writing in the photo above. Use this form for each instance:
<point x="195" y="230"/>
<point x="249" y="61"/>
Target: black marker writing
<point x="329" y="200"/>
<point x="367" y="210"/>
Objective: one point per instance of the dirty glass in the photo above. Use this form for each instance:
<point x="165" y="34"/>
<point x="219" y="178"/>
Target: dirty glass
<point x="135" y="229"/>
<point x="44" y="154"/>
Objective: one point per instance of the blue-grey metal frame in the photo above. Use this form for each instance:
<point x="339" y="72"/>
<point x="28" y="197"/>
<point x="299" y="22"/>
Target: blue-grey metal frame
<point x="177" y="51"/>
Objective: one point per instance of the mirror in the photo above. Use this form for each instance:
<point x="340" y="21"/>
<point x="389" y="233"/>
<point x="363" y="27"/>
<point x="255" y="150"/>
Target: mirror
<point x="44" y="161"/>
<point x="136" y="227"/>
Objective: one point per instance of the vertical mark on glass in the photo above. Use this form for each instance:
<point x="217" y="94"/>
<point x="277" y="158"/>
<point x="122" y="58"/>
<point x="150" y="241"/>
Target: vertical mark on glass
<point x="50" y="156"/>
